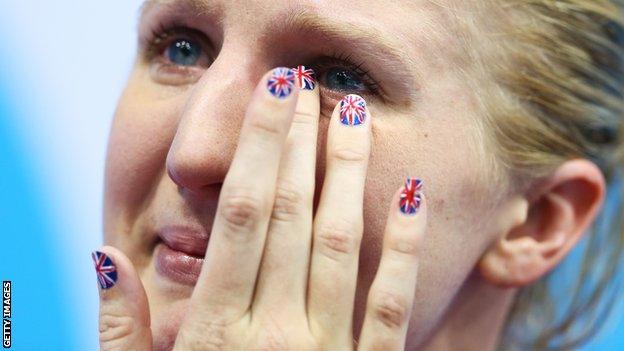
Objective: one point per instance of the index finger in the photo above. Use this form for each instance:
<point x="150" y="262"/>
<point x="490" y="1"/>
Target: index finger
<point x="233" y="255"/>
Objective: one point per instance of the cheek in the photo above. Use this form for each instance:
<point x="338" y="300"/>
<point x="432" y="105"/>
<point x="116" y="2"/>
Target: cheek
<point x="456" y="187"/>
<point x="141" y="134"/>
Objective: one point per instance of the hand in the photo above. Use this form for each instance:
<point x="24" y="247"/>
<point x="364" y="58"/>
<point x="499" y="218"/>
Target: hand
<point x="274" y="277"/>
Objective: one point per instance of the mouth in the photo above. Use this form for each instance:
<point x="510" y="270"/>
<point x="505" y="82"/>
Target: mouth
<point x="179" y="253"/>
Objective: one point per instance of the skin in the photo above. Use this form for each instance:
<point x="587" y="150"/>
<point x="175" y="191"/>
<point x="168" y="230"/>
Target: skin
<point x="174" y="140"/>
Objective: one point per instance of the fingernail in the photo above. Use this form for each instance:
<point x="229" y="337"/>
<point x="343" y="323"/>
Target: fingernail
<point x="105" y="269"/>
<point x="281" y="82"/>
<point x="352" y="110"/>
<point x="305" y="77"/>
<point x="410" y="196"/>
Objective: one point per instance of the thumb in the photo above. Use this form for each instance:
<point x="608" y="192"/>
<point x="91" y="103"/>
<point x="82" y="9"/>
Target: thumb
<point x="124" y="311"/>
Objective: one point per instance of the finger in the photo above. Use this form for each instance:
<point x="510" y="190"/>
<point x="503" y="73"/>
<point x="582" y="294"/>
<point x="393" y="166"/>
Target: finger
<point x="284" y="272"/>
<point x="228" y="276"/>
<point x="338" y="224"/>
<point x="390" y="299"/>
<point x="124" y="311"/>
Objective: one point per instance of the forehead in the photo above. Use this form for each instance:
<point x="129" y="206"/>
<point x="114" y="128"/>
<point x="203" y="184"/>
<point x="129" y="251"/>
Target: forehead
<point x="426" y="27"/>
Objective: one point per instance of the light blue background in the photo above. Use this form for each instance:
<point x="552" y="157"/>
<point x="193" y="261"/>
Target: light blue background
<point x="63" y="65"/>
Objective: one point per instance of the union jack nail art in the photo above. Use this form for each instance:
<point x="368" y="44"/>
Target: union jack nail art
<point x="305" y="77"/>
<point x="352" y="110"/>
<point x="281" y="82"/>
<point x="410" y="196"/>
<point x="105" y="269"/>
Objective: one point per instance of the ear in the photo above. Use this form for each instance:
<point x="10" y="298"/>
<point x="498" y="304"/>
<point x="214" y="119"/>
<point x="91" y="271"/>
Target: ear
<point x="561" y="207"/>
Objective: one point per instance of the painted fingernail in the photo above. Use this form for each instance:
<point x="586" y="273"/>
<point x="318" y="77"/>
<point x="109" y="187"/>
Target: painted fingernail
<point x="105" y="269"/>
<point x="305" y="77"/>
<point x="281" y="82"/>
<point x="410" y="196"/>
<point x="352" y="110"/>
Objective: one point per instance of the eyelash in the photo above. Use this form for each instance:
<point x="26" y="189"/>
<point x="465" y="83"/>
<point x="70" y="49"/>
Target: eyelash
<point x="157" y="39"/>
<point x="155" y="43"/>
<point x="345" y="60"/>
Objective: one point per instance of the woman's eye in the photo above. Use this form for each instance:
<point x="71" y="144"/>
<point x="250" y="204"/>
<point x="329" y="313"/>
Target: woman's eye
<point x="184" y="52"/>
<point x="177" y="56"/>
<point x="343" y="79"/>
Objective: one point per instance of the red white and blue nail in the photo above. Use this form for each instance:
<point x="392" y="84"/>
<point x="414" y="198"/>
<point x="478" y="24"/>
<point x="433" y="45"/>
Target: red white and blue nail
<point x="410" y="196"/>
<point x="281" y="82"/>
<point x="305" y="77"/>
<point x="105" y="269"/>
<point x="352" y="110"/>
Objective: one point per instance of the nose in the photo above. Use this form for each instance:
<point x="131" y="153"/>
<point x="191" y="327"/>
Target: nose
<point x="207" y="133"/>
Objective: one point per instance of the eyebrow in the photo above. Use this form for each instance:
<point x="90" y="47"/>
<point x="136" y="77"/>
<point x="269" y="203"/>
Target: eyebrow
<point x="197" y="5"/>
<point x="371" y="42"/>
<point x="378" y="47"/>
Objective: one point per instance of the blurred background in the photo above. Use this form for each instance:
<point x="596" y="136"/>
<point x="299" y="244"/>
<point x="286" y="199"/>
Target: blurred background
<point x="63" y="65"/>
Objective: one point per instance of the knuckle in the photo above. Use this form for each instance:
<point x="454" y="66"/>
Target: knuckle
<point x="349" y="155"/>
<point x="385" y="342"/>
<point x="289" y="202"/>
<point x="338" y="240"/>
<point x="305" y="118"/>
<point x="242" y="212"/>
<point x="204" y="336"/>
<point x="403" y="246"/>
<point x="272" y="340"/>
<point x="277" y="336"/>
<point x="266" y="126"/>
<point x="391" y="309"/>
<point x="269" y="119"/>
<point x="115" y="329"/>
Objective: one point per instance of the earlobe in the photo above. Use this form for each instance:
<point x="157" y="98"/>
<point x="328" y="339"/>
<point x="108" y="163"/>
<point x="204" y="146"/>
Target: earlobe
<point x="563" y="207"/>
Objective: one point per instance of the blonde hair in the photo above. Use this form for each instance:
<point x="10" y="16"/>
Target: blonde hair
<point x="557" y="92"/>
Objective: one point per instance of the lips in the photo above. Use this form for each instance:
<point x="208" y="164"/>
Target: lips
<point x="180" y="252"/>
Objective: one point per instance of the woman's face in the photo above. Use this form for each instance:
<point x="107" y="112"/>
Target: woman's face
<point x="198" y="63"/>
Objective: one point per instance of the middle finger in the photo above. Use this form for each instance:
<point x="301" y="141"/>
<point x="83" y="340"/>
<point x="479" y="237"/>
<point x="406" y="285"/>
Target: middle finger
<point x="284" y="272"/>
<point x="339" y="223"/>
